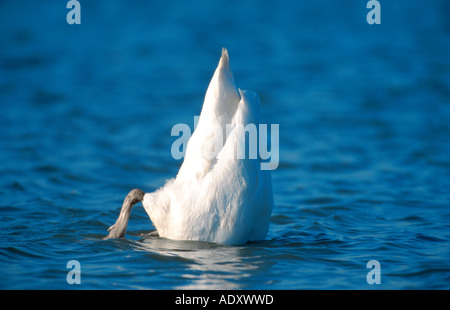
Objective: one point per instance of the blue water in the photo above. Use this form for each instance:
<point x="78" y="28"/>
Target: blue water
<point x="364" y="118"/>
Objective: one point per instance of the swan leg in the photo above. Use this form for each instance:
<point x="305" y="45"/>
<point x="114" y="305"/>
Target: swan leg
<point x="119" y="229"/>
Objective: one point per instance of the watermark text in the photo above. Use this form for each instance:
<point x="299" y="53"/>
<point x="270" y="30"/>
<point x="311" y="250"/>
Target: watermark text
<point x="252" y="142"/>
<point x="374" y="15"/>
<point x="74" y="15"/>
<point x="374" y="275"/>
<point x="74" y="275"/>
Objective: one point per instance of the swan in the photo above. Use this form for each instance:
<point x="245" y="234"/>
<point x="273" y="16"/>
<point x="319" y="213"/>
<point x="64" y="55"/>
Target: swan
<point x="220" y="198"/>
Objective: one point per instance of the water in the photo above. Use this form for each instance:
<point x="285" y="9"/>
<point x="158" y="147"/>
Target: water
<point x="364" y="174"/>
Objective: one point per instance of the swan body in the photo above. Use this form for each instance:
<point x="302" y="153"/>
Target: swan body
<point x="217" y="198"/>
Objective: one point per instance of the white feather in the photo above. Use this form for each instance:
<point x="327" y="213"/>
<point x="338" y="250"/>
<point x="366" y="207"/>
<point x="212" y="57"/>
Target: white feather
<point x="217" y="198"/>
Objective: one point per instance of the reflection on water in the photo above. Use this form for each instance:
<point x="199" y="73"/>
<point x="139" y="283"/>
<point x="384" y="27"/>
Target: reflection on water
<point x="363" y="113"/>
<point x="206" y="265"/>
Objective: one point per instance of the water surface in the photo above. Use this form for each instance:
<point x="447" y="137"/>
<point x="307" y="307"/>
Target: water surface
<point x="363" y="110"/>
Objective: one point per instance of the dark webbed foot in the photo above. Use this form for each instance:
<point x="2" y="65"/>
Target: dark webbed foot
<point x="119" y="229"/>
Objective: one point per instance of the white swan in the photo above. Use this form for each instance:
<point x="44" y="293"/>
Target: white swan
<point x="218" y="198"/>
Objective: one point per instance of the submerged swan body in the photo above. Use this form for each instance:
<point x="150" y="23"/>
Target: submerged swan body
<point x="218" y="198"/>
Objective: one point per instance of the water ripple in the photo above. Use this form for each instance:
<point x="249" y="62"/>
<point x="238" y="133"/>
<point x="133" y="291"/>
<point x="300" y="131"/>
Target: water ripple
<point x="364" y="169"/>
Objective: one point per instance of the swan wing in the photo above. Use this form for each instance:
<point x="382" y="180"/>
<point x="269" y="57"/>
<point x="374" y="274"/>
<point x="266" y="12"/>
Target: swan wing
<point x="240" y="192"/>
<point x="219" y="107"/>
<point x="220" y="193"/>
